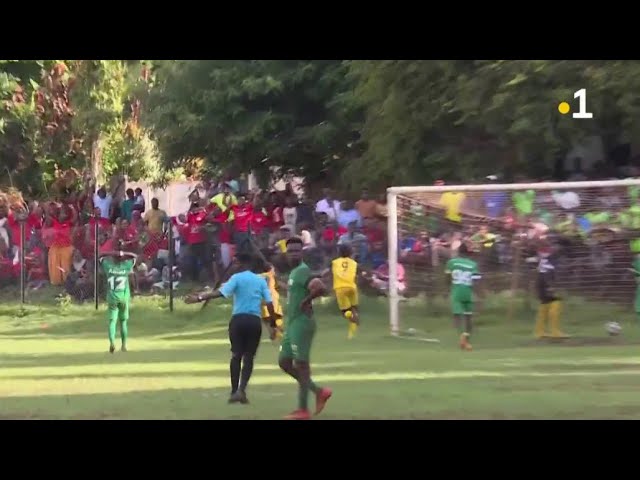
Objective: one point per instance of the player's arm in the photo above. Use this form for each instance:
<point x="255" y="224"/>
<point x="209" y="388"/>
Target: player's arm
<point x="225" y="291"/>
<point x="447" y="268"/>
<point x="201" y="297"/>
<point x="316" y="288"/>
<point x="326" y="272"/>
<point x="268" y="300"/>
<point x="129" y="255"/>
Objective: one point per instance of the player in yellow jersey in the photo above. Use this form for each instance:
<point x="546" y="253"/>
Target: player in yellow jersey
<point x="267" y="271"/>
<point x="345" y="273"/>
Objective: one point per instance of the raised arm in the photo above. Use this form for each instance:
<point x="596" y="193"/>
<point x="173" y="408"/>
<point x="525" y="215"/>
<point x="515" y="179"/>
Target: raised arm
<point x="130" y="255"/>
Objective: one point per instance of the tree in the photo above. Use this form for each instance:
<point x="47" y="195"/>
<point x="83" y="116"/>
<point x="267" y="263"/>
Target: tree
<point x="62" y="115"/>
<point x="464" y="119"/>
<point x="253" y="115"/>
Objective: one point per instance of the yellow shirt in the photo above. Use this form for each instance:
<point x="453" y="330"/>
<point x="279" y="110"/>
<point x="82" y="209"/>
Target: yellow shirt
<point x="451" y="201"/>
<point x="282" y="244"/>
<point x="219" y="201"/>
<point x="155" y="219"/>
<point x="344" y="272"/>
<point x="270" y="276"/>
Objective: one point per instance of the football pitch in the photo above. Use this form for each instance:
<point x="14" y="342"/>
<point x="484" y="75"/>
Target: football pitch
<point x="55" y="366"/>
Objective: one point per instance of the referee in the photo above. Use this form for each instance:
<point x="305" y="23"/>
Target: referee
<point x="249" y="291"/>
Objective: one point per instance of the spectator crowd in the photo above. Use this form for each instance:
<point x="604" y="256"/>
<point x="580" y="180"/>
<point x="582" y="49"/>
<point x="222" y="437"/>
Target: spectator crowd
<point x="60" y="236"/>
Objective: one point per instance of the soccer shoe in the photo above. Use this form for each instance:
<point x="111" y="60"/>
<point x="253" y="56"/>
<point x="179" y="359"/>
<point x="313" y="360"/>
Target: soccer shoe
<point x="112" y="348"/>
<point x="322" y="397"/>
<point x="464" y="342"/>
<point x="299" y="414"/>
<point x="351" y="332"/>
<point x="239" y="397"/>
<point x="123" y="348"/>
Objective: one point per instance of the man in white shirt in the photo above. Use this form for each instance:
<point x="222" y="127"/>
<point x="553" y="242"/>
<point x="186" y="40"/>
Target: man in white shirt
<point x="103" y="202"/>
<point x="328" y="205"/>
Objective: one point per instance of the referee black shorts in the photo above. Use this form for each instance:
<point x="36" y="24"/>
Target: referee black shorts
<point x="245" y="332"/>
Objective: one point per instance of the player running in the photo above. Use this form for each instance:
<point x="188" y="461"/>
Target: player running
<point x="345" y="272"/>
<point x="463" y="272"/>
<point x="118" y="267"/>
<point x="299" y="329"/>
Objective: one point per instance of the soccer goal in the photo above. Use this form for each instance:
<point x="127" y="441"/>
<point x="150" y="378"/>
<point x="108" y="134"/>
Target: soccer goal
<point x="590" y="229"/>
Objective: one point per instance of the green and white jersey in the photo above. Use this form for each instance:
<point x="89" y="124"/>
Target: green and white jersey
<point x="117" y="278"/>
<point x="463" y="272"/>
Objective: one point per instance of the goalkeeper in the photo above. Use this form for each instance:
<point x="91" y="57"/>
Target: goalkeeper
<point x="550" y="302"/>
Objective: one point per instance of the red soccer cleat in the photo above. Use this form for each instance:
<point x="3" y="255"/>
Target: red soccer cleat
<point x="322" y="397"/>
<point x="299" y="415"/>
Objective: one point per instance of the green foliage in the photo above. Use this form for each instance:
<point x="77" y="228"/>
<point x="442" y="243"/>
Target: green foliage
<point x="464" y="119"/>
<point x="251" y="115"/>
<point x="67" y="106"/>
<point x="347" y="123"/>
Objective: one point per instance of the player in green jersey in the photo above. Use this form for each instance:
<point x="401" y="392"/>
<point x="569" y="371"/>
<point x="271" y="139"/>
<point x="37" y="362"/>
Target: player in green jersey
<point x="463" y="272"/>
<point x="118" y="266"/>
<point x="299" y="330"/>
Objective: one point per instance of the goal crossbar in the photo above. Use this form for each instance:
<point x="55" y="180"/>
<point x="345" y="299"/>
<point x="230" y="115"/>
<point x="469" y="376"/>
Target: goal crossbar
<point x="630" y="182"/>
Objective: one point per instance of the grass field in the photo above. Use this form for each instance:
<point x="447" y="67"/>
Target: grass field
<point x="55" y="365"/>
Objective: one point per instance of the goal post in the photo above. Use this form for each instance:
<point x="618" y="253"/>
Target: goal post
<point x="593" y="228"/>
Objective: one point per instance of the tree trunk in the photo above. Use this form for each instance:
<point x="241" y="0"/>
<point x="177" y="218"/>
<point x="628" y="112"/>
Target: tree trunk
<point x="97" y="172"/>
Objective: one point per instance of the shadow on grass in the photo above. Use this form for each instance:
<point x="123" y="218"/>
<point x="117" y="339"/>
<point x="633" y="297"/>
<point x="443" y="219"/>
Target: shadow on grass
<point x="142" y="323"/>
<point x="215" y="370"/>
<point x="189" y="353"/>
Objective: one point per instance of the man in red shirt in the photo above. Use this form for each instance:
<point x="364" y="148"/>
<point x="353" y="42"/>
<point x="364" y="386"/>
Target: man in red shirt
<point x="260" y="225"/>
<point x="196" y="238"/>
<point x="242" y="216"/>
<point x="372" y="231"/>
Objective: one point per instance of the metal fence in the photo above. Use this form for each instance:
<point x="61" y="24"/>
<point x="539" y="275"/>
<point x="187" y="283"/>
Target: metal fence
<point x="62" y="261"/>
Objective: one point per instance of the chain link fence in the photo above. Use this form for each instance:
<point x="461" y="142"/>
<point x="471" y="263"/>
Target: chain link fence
<point x="60" y="260"/>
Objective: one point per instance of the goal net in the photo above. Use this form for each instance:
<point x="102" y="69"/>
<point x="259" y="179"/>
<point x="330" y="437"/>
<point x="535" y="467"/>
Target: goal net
<point x="591" y="229"/>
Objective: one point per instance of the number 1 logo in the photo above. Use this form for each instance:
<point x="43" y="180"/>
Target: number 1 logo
<point x="582" y="113"/>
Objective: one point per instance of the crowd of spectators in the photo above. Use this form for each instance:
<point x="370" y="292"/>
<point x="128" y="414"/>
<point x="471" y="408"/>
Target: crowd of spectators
<point x="60" y="236"/>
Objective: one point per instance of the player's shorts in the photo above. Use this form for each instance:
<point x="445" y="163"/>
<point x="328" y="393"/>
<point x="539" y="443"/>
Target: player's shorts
<point x="346" y="298"/>
<point x="118" y="309"/>
<point x="462" y="305"/>
<point x="297" y="339"/>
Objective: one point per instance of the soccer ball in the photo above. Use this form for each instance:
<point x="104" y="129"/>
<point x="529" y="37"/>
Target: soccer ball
<point x="613" y="328"/>
<point x="348" y="314"/>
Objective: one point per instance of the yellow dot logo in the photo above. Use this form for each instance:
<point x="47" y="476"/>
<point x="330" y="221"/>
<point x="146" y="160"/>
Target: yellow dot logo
<point x="564" y="108"/>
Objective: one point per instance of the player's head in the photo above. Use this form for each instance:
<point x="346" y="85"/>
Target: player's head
<point x="260" y="265"/>
<point x="294" y="251"/>
<point x="120" y="249"/>
<point x="463" y="251"/>
<point x="345" y="250"/>
<point x="245" y="260"/>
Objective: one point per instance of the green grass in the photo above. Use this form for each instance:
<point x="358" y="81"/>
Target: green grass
<point x="55" y="365"/>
